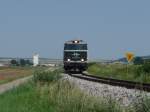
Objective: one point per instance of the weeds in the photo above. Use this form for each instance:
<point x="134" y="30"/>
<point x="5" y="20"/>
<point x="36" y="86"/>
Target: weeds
<point x="58" y="96"/>
<point x="143" y="105"/>
<point x="46" y="76"/>
<point x="68" y="98"/>
<point x="24" y="99"/>
<point x="119" y="71"/>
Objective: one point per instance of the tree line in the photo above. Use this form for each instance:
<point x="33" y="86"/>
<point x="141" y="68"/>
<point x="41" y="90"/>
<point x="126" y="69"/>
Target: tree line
<point x="21" y="62"/>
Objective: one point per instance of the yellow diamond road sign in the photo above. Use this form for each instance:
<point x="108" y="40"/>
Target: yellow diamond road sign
<point x="129" y="56"/>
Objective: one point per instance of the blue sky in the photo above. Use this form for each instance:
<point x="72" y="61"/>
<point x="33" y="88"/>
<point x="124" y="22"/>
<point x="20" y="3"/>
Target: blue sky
<point x="110" y="27"/>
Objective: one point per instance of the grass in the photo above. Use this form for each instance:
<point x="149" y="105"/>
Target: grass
<point x="24" y="99"/>
<point x="56" y="96"/>
<point x="46" y="76"/>
<point x="142" y="105"/>
<point x="68" y="98"/>
<point x="119" y="71"/>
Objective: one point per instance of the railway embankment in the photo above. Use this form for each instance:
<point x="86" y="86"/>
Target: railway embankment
<point x="125" y="97"/>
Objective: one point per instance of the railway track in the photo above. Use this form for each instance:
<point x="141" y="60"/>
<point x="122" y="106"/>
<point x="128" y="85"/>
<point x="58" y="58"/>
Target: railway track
<point x="114" y="82"/>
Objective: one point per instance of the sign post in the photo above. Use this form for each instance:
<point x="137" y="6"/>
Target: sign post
<point x="129" y="57"/>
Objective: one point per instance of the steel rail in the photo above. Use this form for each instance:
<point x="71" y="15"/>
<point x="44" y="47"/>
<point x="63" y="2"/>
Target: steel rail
<point x="114" y="82"/>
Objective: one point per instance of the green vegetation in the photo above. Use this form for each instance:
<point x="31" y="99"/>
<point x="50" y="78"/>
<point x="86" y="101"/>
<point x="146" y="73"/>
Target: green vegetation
<point x="46" y="76"/>
<point x="140" y="73"/>
<point x="25" y="98"/>
<point x="67" y="98"/>
<point x="138" y="61"/>
<point x="55" y="96"/>
<point x="21" y="62"/>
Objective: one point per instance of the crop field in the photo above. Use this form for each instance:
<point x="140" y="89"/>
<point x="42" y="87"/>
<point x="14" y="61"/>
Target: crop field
<point x="11" y="73"/>
<point x="120" y="71"/>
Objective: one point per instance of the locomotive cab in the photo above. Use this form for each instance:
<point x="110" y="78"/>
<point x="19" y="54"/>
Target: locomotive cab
<point x="75" y="56"/>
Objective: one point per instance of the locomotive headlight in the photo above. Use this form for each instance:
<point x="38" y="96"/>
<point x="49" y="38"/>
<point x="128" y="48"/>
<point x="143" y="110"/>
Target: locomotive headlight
<point x="68" y="59"/>
<point x="76" y="41"/>
<point x="82" y="59"/>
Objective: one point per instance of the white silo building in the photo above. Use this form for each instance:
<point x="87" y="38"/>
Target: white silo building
<point x="35" y="59"/>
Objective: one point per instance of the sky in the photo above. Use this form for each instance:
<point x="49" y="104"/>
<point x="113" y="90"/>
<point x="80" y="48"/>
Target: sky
<point x="110" y="27"/>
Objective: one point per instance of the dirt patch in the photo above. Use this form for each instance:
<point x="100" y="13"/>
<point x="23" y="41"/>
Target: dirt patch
<point x="13" y="73"/>
<point x="1" y="78"/>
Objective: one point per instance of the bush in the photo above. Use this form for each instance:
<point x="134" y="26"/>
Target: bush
<point x="145" y="68"/>
<point x="46" y="76"/>
<point x="14" y="63"/>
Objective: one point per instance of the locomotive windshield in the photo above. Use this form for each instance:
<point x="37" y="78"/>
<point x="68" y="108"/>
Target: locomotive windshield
<point x="75" y="47"/>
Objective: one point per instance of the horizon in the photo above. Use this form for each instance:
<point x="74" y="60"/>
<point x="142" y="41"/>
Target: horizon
<point x="62" y="58"/>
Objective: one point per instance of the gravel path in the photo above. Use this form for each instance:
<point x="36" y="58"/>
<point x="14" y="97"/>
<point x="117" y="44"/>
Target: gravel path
<point x="15" y="83"/>
<point x="125" y="97"/>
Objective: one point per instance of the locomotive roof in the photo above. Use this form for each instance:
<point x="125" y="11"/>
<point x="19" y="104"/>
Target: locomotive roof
<point x="73" y="42"/>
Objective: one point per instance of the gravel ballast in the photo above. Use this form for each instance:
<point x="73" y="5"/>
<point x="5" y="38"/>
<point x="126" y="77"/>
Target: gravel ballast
<point x="125" y="97"/>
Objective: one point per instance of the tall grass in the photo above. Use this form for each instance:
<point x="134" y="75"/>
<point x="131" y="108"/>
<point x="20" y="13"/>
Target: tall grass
<point x="119" y="71"/>
<point x="57" y="96"/>
<point x="24" y="99"/>
<point x="46" y="76"/>
<point x="143" y="105"/>
<point x="68" y="98"/>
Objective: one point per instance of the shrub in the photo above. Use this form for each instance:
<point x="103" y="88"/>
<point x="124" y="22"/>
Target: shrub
<point x="46" y="76"/>
<point x="14" y="63"/>
<point x="146" y="67"/>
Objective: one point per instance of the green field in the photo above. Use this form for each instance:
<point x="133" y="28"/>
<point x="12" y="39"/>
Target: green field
<point x="120" y="71"/>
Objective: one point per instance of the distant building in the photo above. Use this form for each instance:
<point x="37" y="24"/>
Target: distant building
<point x="35" y="60"/>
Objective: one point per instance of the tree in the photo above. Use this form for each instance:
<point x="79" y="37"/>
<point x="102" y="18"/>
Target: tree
<point x="28" y="62"/>
<point x="138" y="61"/>
<point x="14" y="62"/>
<point x="22" y="62"/>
